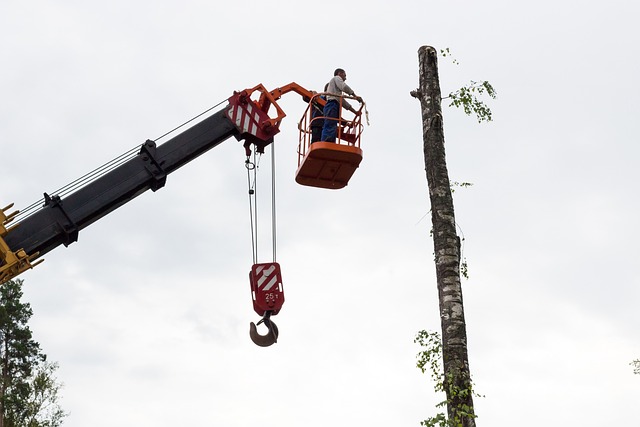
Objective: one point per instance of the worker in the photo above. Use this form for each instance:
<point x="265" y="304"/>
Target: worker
<point x="335" y="88"/>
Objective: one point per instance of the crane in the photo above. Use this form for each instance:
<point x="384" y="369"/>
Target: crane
<point x="251" y="115"/>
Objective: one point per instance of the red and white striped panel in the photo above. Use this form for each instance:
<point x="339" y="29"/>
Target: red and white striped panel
<point x="267" y="276"/>
<point x="246" y="119"/>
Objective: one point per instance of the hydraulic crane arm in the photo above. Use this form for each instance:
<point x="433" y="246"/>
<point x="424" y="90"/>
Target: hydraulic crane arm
<point x="59" y="221"/>
<point x="306" y="94"/>
<point x="26" y="237"/>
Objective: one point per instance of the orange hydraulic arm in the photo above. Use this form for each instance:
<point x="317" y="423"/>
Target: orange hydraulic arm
<point x="307" y="95"/>
<point x="267" y="99"/>
<point x="269" y="126"/>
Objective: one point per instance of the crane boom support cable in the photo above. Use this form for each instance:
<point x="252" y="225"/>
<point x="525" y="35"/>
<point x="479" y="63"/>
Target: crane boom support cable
<point x="93" y="175"/>
<point x="190" y="120"/>
<point x="80" y="182"/>
<point x="100" y="171"/>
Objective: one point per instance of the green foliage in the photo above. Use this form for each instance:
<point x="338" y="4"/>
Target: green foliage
<point x="28" y="389"/>
<point x="19" y="353"/>
<point x="636" y="366"/>
<point x="447" y="53"/>
<point x="454" y="184"/>
<point x="464" y="268"/>
<point x="430" y="359"/>
<point x="42" y="408"/>
<point x="467" y="98"/>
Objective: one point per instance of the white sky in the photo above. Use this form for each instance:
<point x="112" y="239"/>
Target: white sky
<point x="148" y="313"/>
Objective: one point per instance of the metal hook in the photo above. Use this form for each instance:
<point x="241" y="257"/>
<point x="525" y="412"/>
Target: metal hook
<point x="264" y="340"/>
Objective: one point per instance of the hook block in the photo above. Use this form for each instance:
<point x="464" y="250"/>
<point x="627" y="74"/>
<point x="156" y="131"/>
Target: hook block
<point x="266" y="288"/>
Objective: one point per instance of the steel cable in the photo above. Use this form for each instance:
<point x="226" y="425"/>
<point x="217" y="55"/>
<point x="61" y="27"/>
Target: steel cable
<point x="100" y="171"/>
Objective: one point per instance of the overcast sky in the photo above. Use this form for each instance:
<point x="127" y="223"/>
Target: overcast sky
<point x="148" y="313"/>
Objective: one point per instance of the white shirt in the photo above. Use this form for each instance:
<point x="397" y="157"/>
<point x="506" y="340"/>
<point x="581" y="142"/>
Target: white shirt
<point x="335" y="88"/>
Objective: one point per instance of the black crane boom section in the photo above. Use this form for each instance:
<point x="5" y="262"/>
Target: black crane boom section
<point x="59" y="222"/>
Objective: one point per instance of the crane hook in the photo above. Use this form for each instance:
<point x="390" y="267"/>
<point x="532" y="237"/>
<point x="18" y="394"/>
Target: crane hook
<point x="264" y="340"/>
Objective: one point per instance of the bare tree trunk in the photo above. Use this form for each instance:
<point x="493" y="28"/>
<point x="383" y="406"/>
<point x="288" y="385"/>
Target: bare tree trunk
<point x="457" y="378"/>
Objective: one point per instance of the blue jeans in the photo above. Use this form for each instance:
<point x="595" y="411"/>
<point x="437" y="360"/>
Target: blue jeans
<point x="317" y="122"/>
<point x="332" y="115"/>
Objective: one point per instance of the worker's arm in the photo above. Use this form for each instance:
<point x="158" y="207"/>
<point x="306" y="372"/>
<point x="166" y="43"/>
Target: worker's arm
<point x="347" y="89"/>
<point x="347" y="106"/>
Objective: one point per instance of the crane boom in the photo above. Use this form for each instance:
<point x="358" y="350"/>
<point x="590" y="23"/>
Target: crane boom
<point x="247" y="117"/>
<point x="62" y="216"/>
<point x="60" y="219"/>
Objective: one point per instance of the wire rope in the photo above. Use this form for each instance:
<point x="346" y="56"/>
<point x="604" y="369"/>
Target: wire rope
<point x="100" y="171"/>
<point x="80" y="182"/>
<point x="273" y="200"/>
<point x="192" y="119"/>
<point x="251" y="167"/>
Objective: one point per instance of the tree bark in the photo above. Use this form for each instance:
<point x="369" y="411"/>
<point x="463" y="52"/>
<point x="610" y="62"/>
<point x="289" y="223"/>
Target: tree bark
<point x="457" y="377"/>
